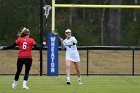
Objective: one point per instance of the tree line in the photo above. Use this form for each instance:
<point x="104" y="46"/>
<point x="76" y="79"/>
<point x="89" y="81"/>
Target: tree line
<point x="89" y="26"/>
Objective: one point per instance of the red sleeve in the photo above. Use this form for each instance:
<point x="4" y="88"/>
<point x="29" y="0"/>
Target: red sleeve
<point x="33" y="42"/>
<point x="17" y="41"/>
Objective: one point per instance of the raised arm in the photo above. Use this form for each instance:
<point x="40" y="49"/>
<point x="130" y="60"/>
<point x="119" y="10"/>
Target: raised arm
<point x="38" y="47"/>
<point x="9" y="47"/>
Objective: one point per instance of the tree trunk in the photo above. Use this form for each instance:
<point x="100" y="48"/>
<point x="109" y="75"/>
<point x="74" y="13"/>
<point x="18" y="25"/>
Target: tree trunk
<point x="103" y="24"/>
<point x="112" y="25"/>
<point x="134" y="14"/>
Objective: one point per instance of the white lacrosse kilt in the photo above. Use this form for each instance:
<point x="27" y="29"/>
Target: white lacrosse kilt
<point x="72" y="53"/>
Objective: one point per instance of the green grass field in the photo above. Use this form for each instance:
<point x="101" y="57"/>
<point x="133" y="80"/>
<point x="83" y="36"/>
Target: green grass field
<point x="91" y="84"/>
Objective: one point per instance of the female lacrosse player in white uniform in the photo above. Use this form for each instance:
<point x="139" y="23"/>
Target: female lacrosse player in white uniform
<point x="72" y="55"/>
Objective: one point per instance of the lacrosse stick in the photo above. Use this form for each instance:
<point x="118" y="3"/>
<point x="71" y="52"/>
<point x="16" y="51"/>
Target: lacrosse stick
<point x="57" y="34"/>
<point x="47" y="9"/>
<point x="54" y="32"/>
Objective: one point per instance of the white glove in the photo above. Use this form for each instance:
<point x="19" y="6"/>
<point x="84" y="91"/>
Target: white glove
<point x="44" y="43"/>
<point x="1" y="48"/>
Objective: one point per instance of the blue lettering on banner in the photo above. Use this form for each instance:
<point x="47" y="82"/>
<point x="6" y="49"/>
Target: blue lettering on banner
<point x="52" y="52"/>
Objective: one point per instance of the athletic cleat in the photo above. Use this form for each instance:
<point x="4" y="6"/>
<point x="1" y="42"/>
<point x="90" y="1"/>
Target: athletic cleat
<point x="68" y="80"/>
<point x="68" y="83"/>
<point x="79" y="82"/>
<point x="25" y="87"/>
<point x="13" y="86"/>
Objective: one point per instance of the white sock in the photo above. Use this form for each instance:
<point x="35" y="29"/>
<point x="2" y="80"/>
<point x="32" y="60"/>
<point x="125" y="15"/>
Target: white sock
<point x="79" y="78"/>
<point x="15" y="82"/>
<point x="24" y="83"/>
<point x="68" y="79"/>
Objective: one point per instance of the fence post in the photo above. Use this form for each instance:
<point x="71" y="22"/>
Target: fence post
<point x="87" y="61"/>
<point x="41" y="35"/>
<point x="133" y="61"/>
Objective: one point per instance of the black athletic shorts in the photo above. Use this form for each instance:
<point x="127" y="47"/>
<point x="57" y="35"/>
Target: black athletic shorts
<point x="22" y="61"/>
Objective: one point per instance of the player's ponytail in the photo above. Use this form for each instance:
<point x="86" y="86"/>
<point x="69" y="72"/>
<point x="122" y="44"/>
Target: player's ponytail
<point x="24" y="32"/>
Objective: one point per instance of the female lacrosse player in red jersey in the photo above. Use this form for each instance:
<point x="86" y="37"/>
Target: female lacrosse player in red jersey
<point x="24" y="55"/>
<point x="72" y="55"/>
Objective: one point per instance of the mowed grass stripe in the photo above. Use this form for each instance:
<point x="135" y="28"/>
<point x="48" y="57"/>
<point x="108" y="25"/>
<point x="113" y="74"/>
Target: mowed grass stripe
<point x="91" y="84"/>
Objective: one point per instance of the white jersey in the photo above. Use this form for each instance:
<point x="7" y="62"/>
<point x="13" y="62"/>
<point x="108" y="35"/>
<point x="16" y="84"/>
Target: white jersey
<point x="71" y="49"/>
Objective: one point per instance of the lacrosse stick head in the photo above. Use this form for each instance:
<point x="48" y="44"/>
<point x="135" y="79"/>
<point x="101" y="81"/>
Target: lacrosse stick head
<point x="54" y="32"/>
<point x="47" y="9"/>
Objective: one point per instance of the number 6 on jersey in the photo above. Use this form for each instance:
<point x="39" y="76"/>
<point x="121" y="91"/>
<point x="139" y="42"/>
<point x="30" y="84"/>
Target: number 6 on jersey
<point x="24" y="45"/>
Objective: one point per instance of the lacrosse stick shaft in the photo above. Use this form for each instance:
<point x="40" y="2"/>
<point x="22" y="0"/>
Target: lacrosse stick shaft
<point x="57" y="34"/>
<point x="61" y="40"/>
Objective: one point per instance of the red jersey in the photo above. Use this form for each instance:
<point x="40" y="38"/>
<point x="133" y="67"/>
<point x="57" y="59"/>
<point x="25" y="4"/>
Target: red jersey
<point x="25" y="47"/>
